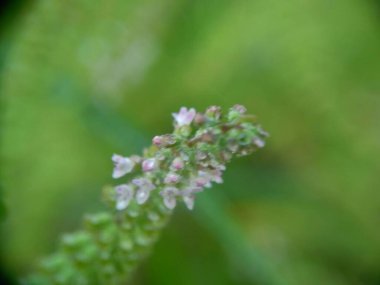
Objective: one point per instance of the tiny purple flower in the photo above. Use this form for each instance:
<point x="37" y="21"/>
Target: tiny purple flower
<point x="124" y="194"/>
<point x="142" y="195"/>
<point x="184" y="117"/>
<point x="143" y="183"/>
<point x="172" y="178"/>
<point x="169" y="194"/>
<point x="164" y="140"/>
<point x="216" y="176"/>
<point x="188" y="196"/>
<point x="144" y="188"/>
<point x="149" y="164"/>
<point x="177" y="164"/>
<point x="157" y="140"/>
<point x="202" y="180"/>
<point x="123" y="165"/>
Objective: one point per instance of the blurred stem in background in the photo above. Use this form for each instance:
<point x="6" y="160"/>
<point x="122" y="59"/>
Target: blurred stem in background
<point x="247" y="260"/>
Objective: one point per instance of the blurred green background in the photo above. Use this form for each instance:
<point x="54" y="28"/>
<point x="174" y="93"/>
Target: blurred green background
<point x="83" y="79"/>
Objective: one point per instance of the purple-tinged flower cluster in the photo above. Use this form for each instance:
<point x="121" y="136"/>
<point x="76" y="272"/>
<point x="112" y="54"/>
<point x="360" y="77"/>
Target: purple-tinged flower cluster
<point x="179" y="165"/>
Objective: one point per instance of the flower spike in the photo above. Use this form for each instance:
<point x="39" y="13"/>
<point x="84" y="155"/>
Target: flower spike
<point x="179" y="166"/>
<point x="174" y="170"/>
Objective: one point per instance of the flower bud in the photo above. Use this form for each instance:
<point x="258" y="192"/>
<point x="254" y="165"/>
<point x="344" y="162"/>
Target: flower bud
<point x="239" y="108"/>
<point x="213" y="112"/>
<point x="157" y="140"/>
<point x="199" y="119"/>
<point x="149" y="164"/>
<point x="164" y="140"/>
<point x="177" y="163"/>
<point x="172" y="178"/>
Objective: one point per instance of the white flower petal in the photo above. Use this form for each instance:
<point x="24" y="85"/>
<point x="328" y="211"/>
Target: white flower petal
<point x="144" y="183"/>
<point x="142" y="195"/>
<point x="258" y="142"/>
<point x="172" y="178"/>
<point x="123" y="165"/>
<point x="184" y="117"/>
<point x="121" y="205"/>
<point x="170" y="202"/>
<point x="149" y="164"/>
<point x="189" y="201"/>
<point x="124" y="194"/>
<point x="177" y="163"/>
<point x="169" y="194"/>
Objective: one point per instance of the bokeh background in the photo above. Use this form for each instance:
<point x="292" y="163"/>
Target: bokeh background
<point x="82" y="79"/>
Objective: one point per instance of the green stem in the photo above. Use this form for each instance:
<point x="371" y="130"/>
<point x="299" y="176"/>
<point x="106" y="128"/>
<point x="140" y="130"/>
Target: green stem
<point x="108" y="248"/>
